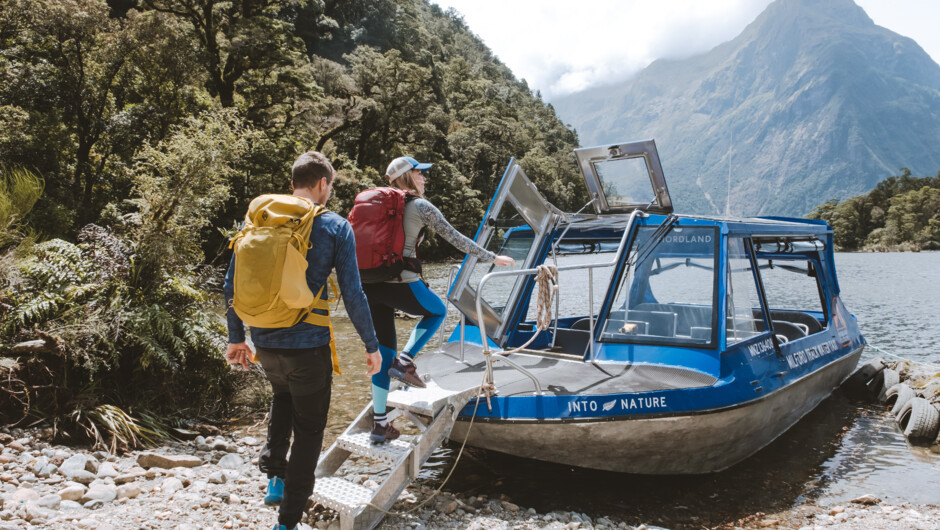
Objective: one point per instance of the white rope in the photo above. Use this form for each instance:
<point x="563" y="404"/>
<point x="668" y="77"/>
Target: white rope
<point x="547" y="281"/>
<point x="932" y="365"/>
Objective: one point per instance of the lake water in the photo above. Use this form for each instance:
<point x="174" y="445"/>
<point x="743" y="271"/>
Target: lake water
<point x="840" y="451"/>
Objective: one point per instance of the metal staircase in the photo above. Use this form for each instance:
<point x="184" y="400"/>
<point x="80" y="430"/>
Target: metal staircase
<point x="433" y="410"/>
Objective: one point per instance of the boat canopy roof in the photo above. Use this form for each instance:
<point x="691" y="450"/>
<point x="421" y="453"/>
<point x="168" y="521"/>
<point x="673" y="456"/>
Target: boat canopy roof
<point x="612" y="226"/>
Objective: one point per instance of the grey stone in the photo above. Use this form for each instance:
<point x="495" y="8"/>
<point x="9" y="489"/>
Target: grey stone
<point x="48" y="470"/>
<point x="106" y="469"/>
<point x="51" y="502"/>
<point x="35" y="513"/>
<point x="231" y="461"/>
<point x="217" y="477"/>
<point x="151" y="460"/>
<point x="38" y="464"/>
<point x="94" y="504"/>
<point x="76" y="463"/>
<point x="99" y="491"/>
<point x="72" y="493"/>
<point x="866" y="500"/>
<point x="82" y="476"/>
<point x="171" y="485"/>
<point x="130" y="476"/>
<point x="128" y="491"/>
<point x="69" y="505"/>
<point x="25" y="495"/>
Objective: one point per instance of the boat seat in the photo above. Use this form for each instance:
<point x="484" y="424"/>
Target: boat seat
<point x="789" y="330"/>
<point x="657" y="323"/>
<point x="572" y="341"/>
<point x="700" y="333"/>
<point x="584" y="324"/>
<point x="803" y="320"/>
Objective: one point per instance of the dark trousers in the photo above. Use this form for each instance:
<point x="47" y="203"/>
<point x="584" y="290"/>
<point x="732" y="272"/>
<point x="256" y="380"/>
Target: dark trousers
<point x="301" y="380"/>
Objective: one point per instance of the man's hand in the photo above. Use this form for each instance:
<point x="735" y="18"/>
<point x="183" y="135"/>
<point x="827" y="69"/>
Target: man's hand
<point x="374" y="362"/>
<point x="239" y="353"/>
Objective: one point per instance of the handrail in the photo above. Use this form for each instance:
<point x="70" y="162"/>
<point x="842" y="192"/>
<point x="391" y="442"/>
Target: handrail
<point x="447" y="303"/>
<point x="527" y="272"/>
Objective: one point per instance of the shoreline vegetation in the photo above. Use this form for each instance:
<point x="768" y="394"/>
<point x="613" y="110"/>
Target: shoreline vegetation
<point x="133" y="135"/>
<point x="902" y="214"/>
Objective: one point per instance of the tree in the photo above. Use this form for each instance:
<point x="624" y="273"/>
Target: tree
<point x="92" y="89"/>
<point x="237" y="38"/>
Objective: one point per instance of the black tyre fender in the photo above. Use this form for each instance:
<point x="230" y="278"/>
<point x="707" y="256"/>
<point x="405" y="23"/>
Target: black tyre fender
<point x="897" y="396"/>
<point x="857" y="383"/>
<point x="879" y="386"/>
<point x="919" y="420"/>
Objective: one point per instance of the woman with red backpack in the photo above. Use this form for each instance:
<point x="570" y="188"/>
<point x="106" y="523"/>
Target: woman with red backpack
<point x="408" y="292"/>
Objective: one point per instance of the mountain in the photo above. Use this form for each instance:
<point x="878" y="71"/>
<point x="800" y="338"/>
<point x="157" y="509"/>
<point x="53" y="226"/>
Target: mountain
<point x="811" y="102"/>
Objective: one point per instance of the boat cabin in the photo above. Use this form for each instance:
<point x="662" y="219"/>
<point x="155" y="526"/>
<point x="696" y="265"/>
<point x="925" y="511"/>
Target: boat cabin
<point x="638" y="283"/>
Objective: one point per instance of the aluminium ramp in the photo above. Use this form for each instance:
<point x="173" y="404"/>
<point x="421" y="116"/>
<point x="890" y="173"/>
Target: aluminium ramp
<point x="359" y="507"/>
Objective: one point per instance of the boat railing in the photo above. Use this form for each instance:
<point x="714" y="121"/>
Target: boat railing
<point x="463" y="318"/>
<point x="491" y="357"/>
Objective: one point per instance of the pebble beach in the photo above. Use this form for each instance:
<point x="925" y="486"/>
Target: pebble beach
<point x="212" y="482"/>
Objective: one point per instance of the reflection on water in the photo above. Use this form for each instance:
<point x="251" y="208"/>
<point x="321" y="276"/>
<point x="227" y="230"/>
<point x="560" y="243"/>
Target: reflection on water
<point x="841" y="450"/>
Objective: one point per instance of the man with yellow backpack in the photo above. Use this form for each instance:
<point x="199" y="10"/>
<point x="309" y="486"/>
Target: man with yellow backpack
<point x="277" y="284"/>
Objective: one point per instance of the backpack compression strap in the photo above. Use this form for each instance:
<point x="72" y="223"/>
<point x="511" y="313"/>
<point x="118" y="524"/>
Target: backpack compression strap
<point x="318" y="319"/>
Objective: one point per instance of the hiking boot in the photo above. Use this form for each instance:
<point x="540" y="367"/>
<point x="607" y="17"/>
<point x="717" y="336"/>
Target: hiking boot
<point x="381" y="434"/>
<point x="406" y="373"/>
<point x="275" y="492"/>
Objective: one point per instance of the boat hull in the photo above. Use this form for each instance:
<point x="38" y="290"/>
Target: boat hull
<point x="704" y="442"/>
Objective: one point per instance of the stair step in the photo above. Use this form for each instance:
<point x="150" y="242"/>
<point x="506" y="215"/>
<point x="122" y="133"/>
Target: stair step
<point x="360" y="444"/>
<point x="341" y="495"/>
<point x="429" y="401"/>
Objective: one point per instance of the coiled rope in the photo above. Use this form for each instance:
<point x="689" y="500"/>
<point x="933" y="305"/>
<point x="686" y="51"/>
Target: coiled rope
<point x="547" y="281"/>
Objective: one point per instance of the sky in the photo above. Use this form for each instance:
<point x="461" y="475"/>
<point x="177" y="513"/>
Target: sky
<point x="560" y="46"/>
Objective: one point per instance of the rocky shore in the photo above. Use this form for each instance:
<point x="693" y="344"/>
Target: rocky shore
<point x="212" y="482"/>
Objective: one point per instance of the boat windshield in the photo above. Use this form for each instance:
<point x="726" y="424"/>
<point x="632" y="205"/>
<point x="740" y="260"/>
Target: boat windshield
<point x="669" y="295"/>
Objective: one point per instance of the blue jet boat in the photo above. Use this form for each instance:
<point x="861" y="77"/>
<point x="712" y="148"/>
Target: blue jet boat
<point x="677" y="344"/>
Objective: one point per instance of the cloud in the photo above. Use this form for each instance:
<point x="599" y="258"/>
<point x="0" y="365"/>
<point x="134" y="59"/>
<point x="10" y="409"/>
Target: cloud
<point x="559" y="47"/>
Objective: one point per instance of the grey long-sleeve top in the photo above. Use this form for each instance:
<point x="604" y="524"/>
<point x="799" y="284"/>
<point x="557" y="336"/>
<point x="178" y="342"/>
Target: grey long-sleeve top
<point x="420" y="213"/>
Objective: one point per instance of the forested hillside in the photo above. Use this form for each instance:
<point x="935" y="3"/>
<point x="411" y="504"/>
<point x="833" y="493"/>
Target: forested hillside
<point x="133" y="134"/>
<point x="87" y="84"/>
<point x="901" y="213"/>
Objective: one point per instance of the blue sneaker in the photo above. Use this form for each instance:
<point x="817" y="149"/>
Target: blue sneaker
<point x="275" y="492"/>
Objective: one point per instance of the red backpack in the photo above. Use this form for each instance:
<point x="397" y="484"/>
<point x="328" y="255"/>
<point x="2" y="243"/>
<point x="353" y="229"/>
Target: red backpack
<point x="377" y="222"/>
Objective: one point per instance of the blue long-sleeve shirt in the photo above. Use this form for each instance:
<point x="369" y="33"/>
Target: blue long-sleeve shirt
<point x="333" y="246"/>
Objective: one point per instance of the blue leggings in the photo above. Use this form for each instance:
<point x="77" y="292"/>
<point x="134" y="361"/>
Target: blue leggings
<point x="414" y="298"/>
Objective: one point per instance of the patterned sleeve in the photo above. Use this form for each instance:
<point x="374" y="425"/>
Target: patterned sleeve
<point x="434" y="219"/>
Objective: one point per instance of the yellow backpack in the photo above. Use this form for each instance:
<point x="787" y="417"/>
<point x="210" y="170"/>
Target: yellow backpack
<point x="271" y="288"/>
